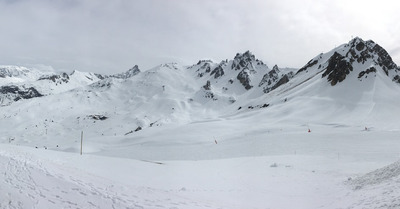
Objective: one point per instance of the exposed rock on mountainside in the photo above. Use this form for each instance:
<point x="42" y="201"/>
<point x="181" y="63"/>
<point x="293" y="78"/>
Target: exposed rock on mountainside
<point x="217" y="72"/>
<point x="128" y="74"/>
<point x="274" y="78"/>
<point x="363" y="57"/>
<point x="366" y="72"/>
<point x="213" y="86"/>
<point x="244" y="78"/>
<point x="338" y="67"/>
<point x="15" y="93"/>
<point x="62" y="78"/>
<point x="270" y="77"/>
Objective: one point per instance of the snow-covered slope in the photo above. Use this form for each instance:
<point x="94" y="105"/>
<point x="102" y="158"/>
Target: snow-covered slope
<point x="354" y="82"/>
<point x="238" y="127"/>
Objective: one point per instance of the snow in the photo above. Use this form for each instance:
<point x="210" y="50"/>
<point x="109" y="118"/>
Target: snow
<point x="182" y="167"/>
<point x="197" y="152"/>
<point x="311" y="170"/>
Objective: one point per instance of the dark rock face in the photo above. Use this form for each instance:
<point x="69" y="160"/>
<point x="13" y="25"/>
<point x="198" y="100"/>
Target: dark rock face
<point x="244" y="79"/>
<point x="209" y="95"/>
<point x="370" y="70"/>
<point x="100" y="76"/>
<point x="270" y="77"/>
<point x="130" y="73"/>
<point x="241" y="68"/>
<point x="282" y="81"/>
<point x="245" y="61"/>
<point x="207" y="86"/>
<point x="242" y="60"/>
<point x="62" y="78"/>
<point x="360" y="46"/>
<point x="384" y="59"/>
<point x="18" y="93"/>
<point x="218" y="72"/>
<point x="97" y="117"/>
<point x="396" y="79"/>
<point x="273" y="79"/>
<point x="356" y="53"/>
<point x="206" y="67"/>
<point x="308" y="65"/>
<point x="369" y="49"/>
<point x="257" y="106"/>
<point x="203" y="67"/>
<point x="337" y="69"/>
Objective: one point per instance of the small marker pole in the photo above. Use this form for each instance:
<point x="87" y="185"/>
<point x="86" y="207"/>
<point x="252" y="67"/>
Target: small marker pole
<point x="81" y="141"/>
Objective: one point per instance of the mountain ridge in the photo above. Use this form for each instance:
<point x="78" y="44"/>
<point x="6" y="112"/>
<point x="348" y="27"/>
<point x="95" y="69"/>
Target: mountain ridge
<point x="347" y="78"/>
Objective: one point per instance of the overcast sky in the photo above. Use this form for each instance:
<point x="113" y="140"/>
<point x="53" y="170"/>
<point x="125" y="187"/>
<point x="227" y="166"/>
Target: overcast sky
<point x="109" y="36"/>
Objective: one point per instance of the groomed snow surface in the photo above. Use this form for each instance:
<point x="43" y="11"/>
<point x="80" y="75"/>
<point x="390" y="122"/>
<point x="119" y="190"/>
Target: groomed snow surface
<point x="275" y="167"/>
<point x="204" y="140"/>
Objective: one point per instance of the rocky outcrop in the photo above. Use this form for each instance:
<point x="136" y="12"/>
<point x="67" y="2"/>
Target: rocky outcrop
<point x="16" y="93"/>
<point x="274" y="78"/>
<point x="205" y="68"/>
<point x="244" y="78"/>
<point x="242" y="60"/>
<point x="282" y="81"/>
<point x="308" y="65"/>
<point x="366" y="72"/>
<point x="207" y="86"/>
<point x="218" y="72"/>
<point x="128" y="74"/>
<point x="97" y="117"/>
<point x="384" y="59"/>
<point x="338" y="68"/>
<point x="270" y="77"/>
<point x="58" y="79"/>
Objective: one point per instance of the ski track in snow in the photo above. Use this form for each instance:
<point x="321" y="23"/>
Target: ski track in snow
<point x="263" y="158"/>
<point x="29" y="185"/>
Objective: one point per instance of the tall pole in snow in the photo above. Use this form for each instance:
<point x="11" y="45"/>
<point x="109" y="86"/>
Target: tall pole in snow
<point x="81" y="141"/>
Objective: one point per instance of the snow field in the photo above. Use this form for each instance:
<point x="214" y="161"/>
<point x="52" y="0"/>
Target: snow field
<point x="267" y="169"/>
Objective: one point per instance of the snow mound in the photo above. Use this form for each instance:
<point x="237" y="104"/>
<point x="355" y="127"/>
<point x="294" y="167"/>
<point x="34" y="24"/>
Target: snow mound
<point x="383" y="175"/>
<point x="377" y="189"/>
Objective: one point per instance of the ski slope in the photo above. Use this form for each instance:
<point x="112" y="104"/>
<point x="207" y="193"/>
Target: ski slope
<point x="280" y="168"/>
<point x="212" y="135"/>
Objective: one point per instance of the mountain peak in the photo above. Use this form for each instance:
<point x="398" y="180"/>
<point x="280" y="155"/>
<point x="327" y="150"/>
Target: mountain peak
<point x="363" y="57"/>
<point x="133" y="71"/>
<point x="248" y="56"/>
<point x="276" y="69"/>
<point x="361" y="51"/>
<point x="356" y="40"/>
<point x="130" y="73"/>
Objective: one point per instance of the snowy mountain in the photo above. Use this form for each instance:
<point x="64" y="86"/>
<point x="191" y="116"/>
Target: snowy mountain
<point x="205" y="122"/>
<point x="17" y="74"/>
<point x="171" y="93"/>
<point x="131" y="72"/>
<point x="357" y="57"/>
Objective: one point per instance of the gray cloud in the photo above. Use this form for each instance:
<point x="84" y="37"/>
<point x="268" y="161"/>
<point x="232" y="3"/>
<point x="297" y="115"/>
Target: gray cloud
<point x="111" y="36"/>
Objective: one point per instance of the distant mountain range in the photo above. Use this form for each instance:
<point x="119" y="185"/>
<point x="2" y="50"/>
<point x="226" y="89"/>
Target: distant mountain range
<point x="355" y="78"/>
